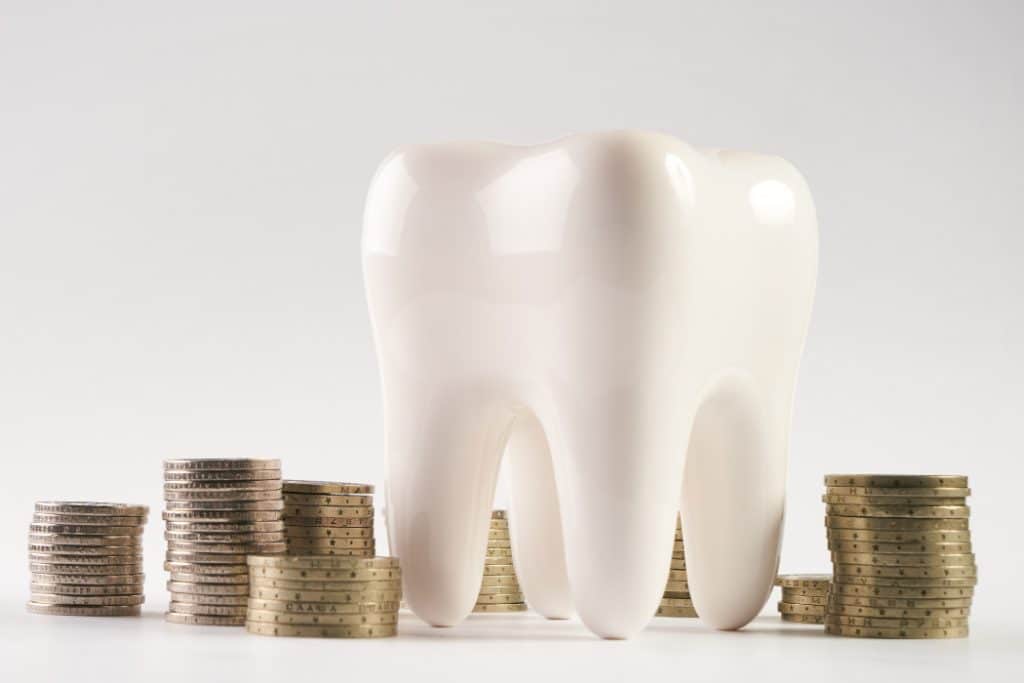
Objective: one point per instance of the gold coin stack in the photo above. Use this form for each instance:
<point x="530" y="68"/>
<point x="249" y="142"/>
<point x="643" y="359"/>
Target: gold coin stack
<point x="804" y="597"/>
<point x="325" y="596"/>
<point x="86" y="559"/>
<point x="902" y="560"/>
<point x="499" y="590"/>
<point x="676" y="602"/>
<point x="217" y="512"/>
<point x="329" y="518"/>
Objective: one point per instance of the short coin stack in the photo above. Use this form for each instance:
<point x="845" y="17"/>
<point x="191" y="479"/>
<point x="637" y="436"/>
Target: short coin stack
<point x="902" y="560"/>
<point x="676" y="602"/>
<point x="325" y="596"/>
<point x="804" y="597"/>
<point x="329" y="518"/>
<point x="86" y="559"/>
<point x="218" y="512"/>
<point x="499" y="590"/>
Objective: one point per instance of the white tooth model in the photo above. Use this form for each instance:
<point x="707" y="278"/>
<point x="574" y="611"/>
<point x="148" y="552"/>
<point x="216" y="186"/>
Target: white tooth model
<point x="621" y="316"/>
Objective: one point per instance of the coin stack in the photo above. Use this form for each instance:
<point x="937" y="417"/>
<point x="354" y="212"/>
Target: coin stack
<point x="499" y="590"/>
<point x="329" y="518"/>
<point x="218" y="512"/>
<point x="902" y="561"/>
<point x="86" y="559"/>
<point x="803" y="597"/>
<point x="676" y="602"/>
<point x="323" y="596"/>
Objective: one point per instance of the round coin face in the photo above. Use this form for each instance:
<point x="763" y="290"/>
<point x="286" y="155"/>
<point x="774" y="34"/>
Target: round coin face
<point x="326" y="487"/>
<point x="84" y="610"/>
<point x="222" y="464"/>
<point x="88" y="508"/>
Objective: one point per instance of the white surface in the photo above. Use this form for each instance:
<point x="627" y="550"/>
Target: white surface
<point x="490" y="648"/>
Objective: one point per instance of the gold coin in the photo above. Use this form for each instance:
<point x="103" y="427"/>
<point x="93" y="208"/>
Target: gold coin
<point x="367" y="631"/>
<point x="499" y="590"/>
<point x="226" y="476"/>
<point x="298" y="531"/>
<point x="679" y="565"/>
<point x="315" y="562"/>
<point x="329" y="542"/>
<point x="890" y="500"/>
<point x="499" y="598"/>
<point x="222" y="516"/>
<point x="925" y="537"/>
<point x="330" y="522"/>
<point x="207" y="610"/>
<point x="84" y="611"/>
<point x="498" y="535"/>
<point x="496" y="544"/>
<point x="326" y="487"/>
<point x="669" y="611"/>
<point x="676" y="586"/>
<point x="499" y="569"/>
<point x="327" y="500"/>
<point x="804" y="599"/>
<point x="208" y="588"/>
<point x="220" y="496"/>
<point x="203" y="619"/>
<point x="500" y="581"/>
<point x="83" y="560"/>
<point x="79" y="589"/>
<point x="336" y="552"/>
<point x="820" y="581"/>
<point x="677" y="594"/>
<point x="210" y="579"/>
<point x="205" y="558"/>
<point x="899" y="612"/>
<point x="910" y="481"/>
<point x="213" y="537"/>
<point x="901" y="511"/>
<point x="907" y="582"/>
<point x="899" y="548"/>
<point x="499" y="514"/>
<point x="677" y="575"/>
<point x="220" y="485"/>
<point x="326" y="586"/>
<point x="679" y="556"/>
<point x="904" y="559"/>
<point x="86" y="508"/>
<point x="225" y="527"/>
<point x="113" y="525"/>
<point x="505" y="607"/>
<point x="293" y="619"/>
<point x="204" y="599"/>
<point x="86" y="600"/>
<point x="874" y="632"/>
<point x="498" y="525"/>
<point x="962" y="572"/>
<point x="203" y="464"/>
<point x="896" y="523"/>
<point x="207" y="569"/>
<point x="803" y="618"/>
<point x="676" y="602"/>
<point x="805" y="592"/>
<point x="370" y="606"/>
<point x="919" y="492"/>
<point x="293" y="511"/>
<point x="340" y="574"/>
<point x="220" y="506"/>
<point x="881" y="622"/>
<point x="84" y="550"/>
<point x="894" y="603"/>
<point x="227" y="548"/>
<point x="84" y="535"/>
<point x="903" y="591"/>
<point x="499" y="552"/>
<point x="794" y="608"/>
<point x="293" y="595"/>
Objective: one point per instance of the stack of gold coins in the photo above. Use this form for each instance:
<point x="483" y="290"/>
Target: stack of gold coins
<point x="499" y="590"/>
<point x="902" y="560"/>
<point x="676" y="602"/>
<point x="329" y="518"/>
<point x="86" y="559"/>
<point x="218" y="512"/>
<point x="804" y="597"/>
<point x="324" y="596"/>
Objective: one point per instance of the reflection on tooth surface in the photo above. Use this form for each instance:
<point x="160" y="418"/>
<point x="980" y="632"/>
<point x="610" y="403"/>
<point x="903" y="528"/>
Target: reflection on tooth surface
<point x="604" y="313"/>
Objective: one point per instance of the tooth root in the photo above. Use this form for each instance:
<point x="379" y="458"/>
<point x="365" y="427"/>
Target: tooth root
<point x="733" y="504"/>
<point x="445" y="452"/>
<point x="535" y="523"/>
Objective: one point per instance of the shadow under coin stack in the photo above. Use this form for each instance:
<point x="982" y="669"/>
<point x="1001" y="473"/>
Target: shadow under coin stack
<point x="499" y="590"/>
<point x="676" y="602"/>
<point x="902" y="560"/>
<point x="329" y="518"/>
<point x="218" y="512"/>
<point x="325" y="596"/>
<point x="803" y="597"/>
<point x="86" y="559"/>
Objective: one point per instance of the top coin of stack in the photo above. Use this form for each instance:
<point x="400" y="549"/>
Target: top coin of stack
<point x="86" y="559"/>
<point x="218" y="511"/>
<point x="803" y="597"/>
<point x="499" y="589"/>
<point x="329" y="518"/>
<point x="903" y="564"/>
<point x="676" y="601"/>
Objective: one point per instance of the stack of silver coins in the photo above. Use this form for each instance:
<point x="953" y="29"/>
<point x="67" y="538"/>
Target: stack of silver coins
<point x="902" y="561"/>
<point x="325" y="596"/>
<point x="803" y="597"/>
<point x="676" y="602"/>
<point x="499" y="591"/>
<point x="86" y="559"/>
<point x="329" y="518"/>
<point x="218" y="511"/>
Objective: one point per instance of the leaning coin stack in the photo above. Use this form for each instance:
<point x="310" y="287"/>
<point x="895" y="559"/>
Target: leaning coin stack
<point x="218" y="512"/>
<point x="902" y="560"/>
<point x="86" y="559"/>
<point x="323" y="596"/>
<point x="329" y="518"/>
<point x="676" y="602"/>
<point x="803" y="597"/>
<point x="499" y="590"/>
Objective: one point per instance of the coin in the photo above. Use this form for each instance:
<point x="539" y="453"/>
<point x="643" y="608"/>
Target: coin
<point x="897" y="480"/>
<point x="283" y="586"/>
<point x="499" y="514"/>
<point x="294" y="595"/>
<point x="341" y="522"/>
<point x="805" y="599"/>
<point x="899" y="548"/>
<point x="907" y="582"/>
<point x="891" y="500"/>
<point x="313" y="562"/>
<point x="221" y="475"/>
<point x="498" y="535"/>
<point x="58" y="580"/>
<point x="919" y="492"/>
<point x="84" y="550"/>
<point x="197" y="527"/>
<point x="84" y="569"/>
<point x="222" y="516"/>
<point x="326" y="499"/>
<point x="326" y="487"/>
<point x="322" y="543"/>
<point x="505" y="545"/>
<point x="84" y="611"/>
<point x="208" y="579"/>
<point x="903" y="591"/>
<point x="916" y="603"/>
<point x="205" y="537"/>
<point x="807" y="592"/>
<point x="206" y="599"/>
<point x="296" y="532"/>
<point x="499" y="570"/>
<point x="497" y="590"/>
<point x="927" y="537"/>
<point x="224" y="505"/>
<point x="907" y="511"/>
<point x="208" y="588"/>
<point x="82" y="560"/>
<point x="221" y="485"/>
<point x="881" y="622"/>
<point x="322" y="607"/>
<point x="207" y="610"/>
<point x="874" y="632"/>
<point x="194" y="464"/>
<point x="84" y="530"/>
<point x="340" y="574"/>
<point x="204" y="619"/>
<point x="669" y="611"/>
<point x="205" y="558"/>
<point x="803" y="580"/>
<point x="343" y="512"/>
<point x="909" y="572"/>
<point x="793" y="608"/>
<point x="78" y="541"/>
<point x="205" y="569"/>
<point x="500" y="581"/>
<point x="73" y="589"/>
<point x="222" y="548"/>
<point x="88" y="508"/>
<point x="369" y="631"/>
<point x="803" y="618"/>
<point x="896" y="523"/>
<point x="501" y="607"/>
<point x="676" y="586"/>
<point x="221" y="495"/>
<point x="900" y="612"/>
<point x="494" y="598"/>
<point x="904" y="559"/>
<point x="677" y="575"/>
<point x="295" y="619"/>
<point x="676" y="602"/>
<point x="85" y="600"/>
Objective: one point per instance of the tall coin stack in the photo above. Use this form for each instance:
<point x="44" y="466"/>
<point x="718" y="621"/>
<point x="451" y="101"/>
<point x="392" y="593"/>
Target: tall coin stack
<point x="902" y="560"/>
<point x="218" y="512"/>
<point x="329" y="518"/>
<point x="326" y="596"/>
<point x="499" y="590"/>
<point x="86" y="559"/>
<point x="803" y="597"/>
<point x="676" y="602"/>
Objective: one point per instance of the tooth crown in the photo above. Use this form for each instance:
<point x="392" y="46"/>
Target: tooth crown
<point x="601" y="309"/>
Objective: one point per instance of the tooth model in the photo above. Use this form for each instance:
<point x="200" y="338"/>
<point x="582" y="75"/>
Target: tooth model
<point x="620" y="316"/>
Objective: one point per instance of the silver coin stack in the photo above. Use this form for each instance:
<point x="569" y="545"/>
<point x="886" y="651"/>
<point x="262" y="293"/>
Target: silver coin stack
<point x="86" y="559"/>
<point x="218" y="511"/>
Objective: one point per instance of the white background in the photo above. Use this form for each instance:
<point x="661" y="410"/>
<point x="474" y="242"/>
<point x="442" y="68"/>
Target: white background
<point x="181" y="188"/>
